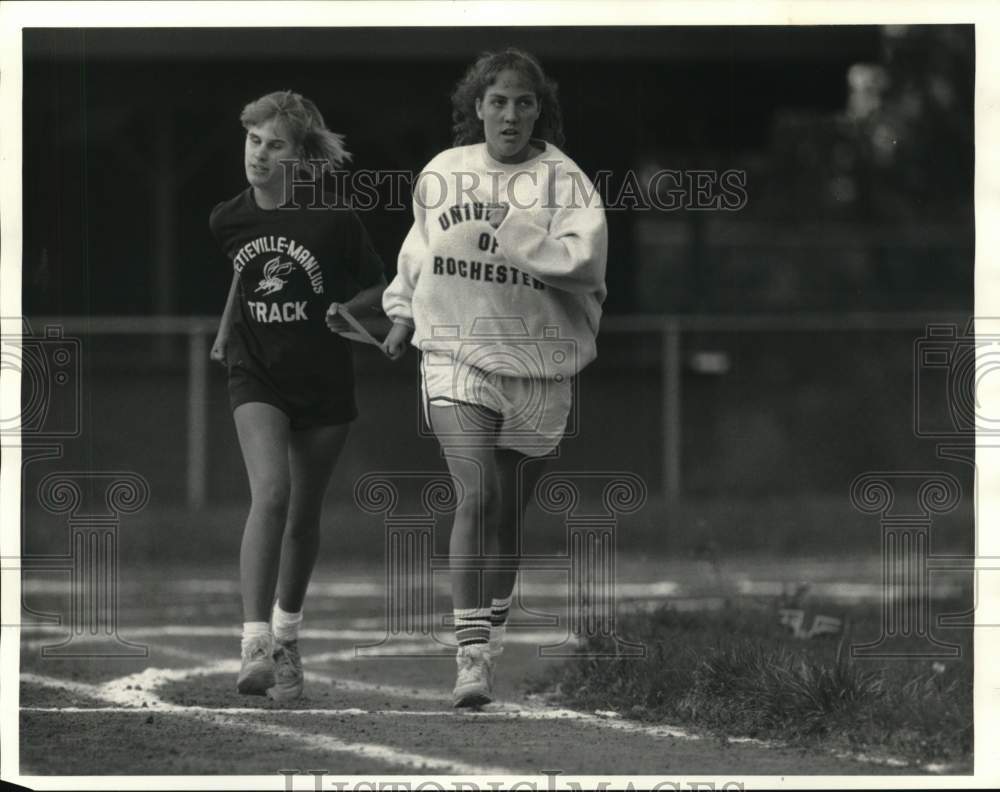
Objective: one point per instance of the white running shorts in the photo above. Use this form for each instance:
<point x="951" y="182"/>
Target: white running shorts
<point x="534" y="411"/>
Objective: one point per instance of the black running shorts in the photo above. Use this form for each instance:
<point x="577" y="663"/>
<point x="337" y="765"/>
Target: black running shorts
<point x="305" y="402"/>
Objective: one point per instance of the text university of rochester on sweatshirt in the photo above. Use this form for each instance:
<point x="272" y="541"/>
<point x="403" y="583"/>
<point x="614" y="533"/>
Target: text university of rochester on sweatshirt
<point x="536" y="282"/>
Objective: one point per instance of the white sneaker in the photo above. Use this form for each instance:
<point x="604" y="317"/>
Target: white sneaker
<point x="496" y="649"/>
<point x="287" y="671"/>
<point x="257" y="670"/>
<point x="473" y="687"/>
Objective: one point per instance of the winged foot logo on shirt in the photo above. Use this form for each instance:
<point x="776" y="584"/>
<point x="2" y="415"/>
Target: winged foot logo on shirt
<point x="271" y="283"/>
<point x="273" y="270"/>
<point x="276" y="272"/>
<point x="285" y="247"/>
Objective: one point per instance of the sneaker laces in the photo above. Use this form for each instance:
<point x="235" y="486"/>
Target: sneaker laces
<point x="473" y="664"/>
<point x="287" y="660"/>
<point x="256" y="647"/>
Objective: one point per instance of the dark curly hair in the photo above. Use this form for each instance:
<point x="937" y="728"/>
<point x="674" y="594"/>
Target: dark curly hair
<point x="467" y="127"/>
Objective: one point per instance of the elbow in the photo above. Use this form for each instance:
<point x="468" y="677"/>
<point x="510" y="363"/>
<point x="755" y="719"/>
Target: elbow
<point x="574" y="283"/>
<point x="587" y="276"/>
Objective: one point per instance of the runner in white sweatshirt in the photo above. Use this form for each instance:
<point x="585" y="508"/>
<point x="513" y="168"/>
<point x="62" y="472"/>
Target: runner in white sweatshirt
<point x="500" y="285"/>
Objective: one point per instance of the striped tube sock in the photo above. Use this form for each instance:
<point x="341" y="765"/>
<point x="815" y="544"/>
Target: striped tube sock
<point x="286" y="625"/>
<point x="472" y="626"/>
<point x="498" y="624"/>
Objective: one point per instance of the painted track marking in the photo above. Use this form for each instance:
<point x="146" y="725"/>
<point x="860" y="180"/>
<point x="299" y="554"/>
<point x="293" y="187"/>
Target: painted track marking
<point x="514" y="636"/>
<point x="655" y="589"/>
<point x="131" y="700"/>
<point x="123" y="690"/>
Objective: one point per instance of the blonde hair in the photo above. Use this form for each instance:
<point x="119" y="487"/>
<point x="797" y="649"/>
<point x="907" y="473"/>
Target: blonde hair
<point x="305" y="124"/>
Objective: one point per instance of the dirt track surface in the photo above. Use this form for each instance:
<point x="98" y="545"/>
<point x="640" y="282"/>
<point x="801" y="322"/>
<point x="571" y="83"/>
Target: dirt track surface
<point x="177" y="712"/>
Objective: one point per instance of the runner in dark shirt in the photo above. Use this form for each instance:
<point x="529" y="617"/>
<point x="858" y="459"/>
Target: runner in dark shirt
<point x="296" y="262"/>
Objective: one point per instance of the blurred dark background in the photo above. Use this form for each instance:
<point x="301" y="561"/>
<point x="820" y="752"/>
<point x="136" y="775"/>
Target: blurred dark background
<point x="856" y="141"/>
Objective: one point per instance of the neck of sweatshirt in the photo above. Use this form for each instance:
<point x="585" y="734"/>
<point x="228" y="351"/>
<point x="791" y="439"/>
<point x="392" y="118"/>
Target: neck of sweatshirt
<point x="513" y="167"/>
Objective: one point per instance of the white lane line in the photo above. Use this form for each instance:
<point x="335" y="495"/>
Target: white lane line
<point x="888" y="761"/>
<point x="368" y="588"/>
<point x="544" y="712"/>
<point x="482" y="714"/>
<point x="130" y="695"/>
<point x="503" y="712"/>
<point x="537" y="710"/>
<point x="119" y="710"/>
<point x="135" y="691"/>
<point x="412" y="649"/>
<point x="176" y="651"/>
<point x="377" y="688"/>
<point x="372" y="636"/>
<point x="353" y="589"/>
<point x="382" y="753"/>
<point x="865" y="592"/>
<point x="79" y="688"/>
<point x="666" y="589"/>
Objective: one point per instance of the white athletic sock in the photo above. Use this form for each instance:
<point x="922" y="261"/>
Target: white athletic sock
<point x="286" y="625"/>
<point x="254" y="629"/>
<point x="498" y="623"/>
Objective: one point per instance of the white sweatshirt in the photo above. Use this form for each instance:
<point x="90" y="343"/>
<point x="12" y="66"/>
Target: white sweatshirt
<point x="535" y="283"/>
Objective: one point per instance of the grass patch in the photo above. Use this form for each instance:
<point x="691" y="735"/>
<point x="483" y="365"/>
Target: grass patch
<point x="739" y="672"/>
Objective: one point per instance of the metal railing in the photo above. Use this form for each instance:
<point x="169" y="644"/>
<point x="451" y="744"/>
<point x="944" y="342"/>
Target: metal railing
<point x="669" y="329"/>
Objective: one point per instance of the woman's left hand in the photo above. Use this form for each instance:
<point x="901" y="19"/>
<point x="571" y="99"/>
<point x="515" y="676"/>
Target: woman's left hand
<point x="334" y="320"/>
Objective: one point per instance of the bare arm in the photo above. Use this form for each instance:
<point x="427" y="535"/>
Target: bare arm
<point x="367" y="302"/>
<point x="218" y="353"/>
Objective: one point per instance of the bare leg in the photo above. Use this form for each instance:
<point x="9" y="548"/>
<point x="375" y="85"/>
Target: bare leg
<point x="518" y="475"/>
<point x="263" y="433"/>
<point x="474" y="471"/>
<point x="312" y="455"/>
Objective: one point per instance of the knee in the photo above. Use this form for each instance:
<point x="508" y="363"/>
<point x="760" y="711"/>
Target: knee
<point x="271" y="497"/>
<point x="302" y="527"/>
<point x="507" y="536"/>
<point x="481" y="500"/>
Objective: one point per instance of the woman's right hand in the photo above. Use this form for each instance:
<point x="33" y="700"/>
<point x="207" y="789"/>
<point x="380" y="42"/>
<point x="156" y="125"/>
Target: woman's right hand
<point x="395" y="343"/>
<point x="218" y="353"/>
<point x="496" y="213"/>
